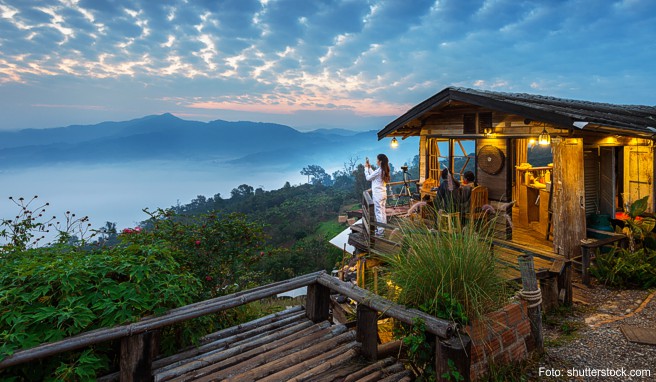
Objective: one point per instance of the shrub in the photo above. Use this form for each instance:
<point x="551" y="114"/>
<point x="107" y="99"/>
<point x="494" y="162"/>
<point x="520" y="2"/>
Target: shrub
<point x="47" y="294"/>
<point x="220" y="249"/>
<point x="448" y="275"/>
<point x="623" y="268"/>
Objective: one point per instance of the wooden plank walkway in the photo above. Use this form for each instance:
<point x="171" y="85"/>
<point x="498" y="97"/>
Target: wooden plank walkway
<point x="283" y="347"/>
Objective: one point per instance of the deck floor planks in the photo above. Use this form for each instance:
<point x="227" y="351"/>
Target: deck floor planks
<point x="307" y="352"/>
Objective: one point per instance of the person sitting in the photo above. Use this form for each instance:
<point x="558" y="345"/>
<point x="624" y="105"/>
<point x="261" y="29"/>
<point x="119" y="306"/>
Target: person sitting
<point x="469" y="179"/>
<point x="464" y="191"/>
<point x="447" y="191"/>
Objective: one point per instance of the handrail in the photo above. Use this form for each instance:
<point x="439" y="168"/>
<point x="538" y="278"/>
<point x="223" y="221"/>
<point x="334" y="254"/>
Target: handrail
<point x="439" y="327"/>
<point x="436" y="326"/>
<point x="171" y="317"/>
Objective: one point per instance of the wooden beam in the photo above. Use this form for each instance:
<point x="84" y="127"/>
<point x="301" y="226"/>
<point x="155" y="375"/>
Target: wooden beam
<point x="439" y="327"/>
<point x="568" y="197"/>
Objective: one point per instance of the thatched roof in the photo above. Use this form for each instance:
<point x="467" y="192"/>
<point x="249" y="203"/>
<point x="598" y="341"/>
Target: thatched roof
<point x="566" y="113"/>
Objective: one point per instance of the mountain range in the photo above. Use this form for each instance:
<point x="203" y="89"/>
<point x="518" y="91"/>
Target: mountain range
<point x="166" y="137"/>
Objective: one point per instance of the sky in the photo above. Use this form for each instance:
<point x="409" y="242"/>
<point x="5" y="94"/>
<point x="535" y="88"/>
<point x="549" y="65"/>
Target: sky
<point x="355" y="64"/>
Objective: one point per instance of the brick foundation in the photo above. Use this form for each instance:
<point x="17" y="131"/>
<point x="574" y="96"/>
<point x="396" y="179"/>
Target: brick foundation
<point x="505" y="336"/>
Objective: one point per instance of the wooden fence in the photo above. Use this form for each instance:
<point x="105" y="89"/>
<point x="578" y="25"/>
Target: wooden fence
<point x="137" y="342"/>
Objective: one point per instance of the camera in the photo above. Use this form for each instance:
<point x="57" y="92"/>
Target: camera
<point x="404" y="168"/>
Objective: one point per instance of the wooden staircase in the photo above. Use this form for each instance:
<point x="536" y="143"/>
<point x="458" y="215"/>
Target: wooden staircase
<point x="282" y="347"/>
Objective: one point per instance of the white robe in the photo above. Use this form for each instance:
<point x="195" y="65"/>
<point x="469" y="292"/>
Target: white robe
<point x="379" y="195"/>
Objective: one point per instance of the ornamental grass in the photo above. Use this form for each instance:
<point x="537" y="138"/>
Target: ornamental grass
<point x="451" y="275"/>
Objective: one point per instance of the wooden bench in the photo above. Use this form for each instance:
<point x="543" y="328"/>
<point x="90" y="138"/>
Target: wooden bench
<point x="590" y="246"/>
<point x="552" y="270"/>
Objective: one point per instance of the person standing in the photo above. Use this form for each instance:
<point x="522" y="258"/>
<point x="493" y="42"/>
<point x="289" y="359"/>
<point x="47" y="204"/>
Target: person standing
<point x="379" y="179"/>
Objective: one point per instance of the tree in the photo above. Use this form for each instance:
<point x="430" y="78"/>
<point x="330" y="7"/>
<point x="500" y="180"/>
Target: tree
<point x="317" y="174"/>
<point x="242" y="191"/>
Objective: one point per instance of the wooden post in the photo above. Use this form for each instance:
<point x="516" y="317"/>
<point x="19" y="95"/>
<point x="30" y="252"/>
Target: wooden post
<point x="569" y="196"/>
<point x="530" y="286"/>
<point x="318" y="302"/>
<point x="456" y="349"/>
<point x="137" y="353"/>
<point x="565" y="284"/>
<point x="367" y="331"/>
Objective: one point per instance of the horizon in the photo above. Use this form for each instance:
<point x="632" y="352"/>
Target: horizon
<point x="310" y="65"/>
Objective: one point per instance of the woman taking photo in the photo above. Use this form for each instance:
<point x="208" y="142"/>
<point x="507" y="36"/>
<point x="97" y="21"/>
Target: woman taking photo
<point x="379" y="179"/>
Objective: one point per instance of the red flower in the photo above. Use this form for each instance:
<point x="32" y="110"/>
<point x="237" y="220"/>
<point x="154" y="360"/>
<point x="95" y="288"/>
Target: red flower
<point x="197" y="242"/>
<point x="137" y="229"/>
<point x="208" y="278"/>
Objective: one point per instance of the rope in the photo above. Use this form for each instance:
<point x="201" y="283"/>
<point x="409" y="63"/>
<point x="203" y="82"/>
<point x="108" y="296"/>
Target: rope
<point x="533" y="298"/>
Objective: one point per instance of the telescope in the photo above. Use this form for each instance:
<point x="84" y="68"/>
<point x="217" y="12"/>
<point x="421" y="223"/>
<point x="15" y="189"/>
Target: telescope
<point x="404" y="168"/>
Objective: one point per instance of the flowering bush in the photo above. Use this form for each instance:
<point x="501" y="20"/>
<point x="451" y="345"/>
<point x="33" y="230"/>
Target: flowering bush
<point x="221" y="250"/>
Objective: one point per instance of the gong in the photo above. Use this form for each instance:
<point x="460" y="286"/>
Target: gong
<point x="490" y="159"/>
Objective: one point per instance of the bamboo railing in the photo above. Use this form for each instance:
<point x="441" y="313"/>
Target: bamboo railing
<point x="137" y="354"/>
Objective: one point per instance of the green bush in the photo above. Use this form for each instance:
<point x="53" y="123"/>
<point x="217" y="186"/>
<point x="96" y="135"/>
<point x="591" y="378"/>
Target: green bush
<point x="47" y="294"/>
<point x="624" y="268"/>
<point x="448" y="275"/>
<point x="220" y="249"/>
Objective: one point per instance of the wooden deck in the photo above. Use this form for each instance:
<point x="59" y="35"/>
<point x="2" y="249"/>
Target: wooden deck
<point x="553" y="268"/>
<point x="282" y="347"/>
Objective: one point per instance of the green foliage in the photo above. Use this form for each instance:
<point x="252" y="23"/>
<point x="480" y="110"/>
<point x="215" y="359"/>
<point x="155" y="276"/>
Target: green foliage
<point x="637" y="227"/>
<point x="420" y="350"/>
<point x="306" y="255"/>
<point x="449" y="275"/>
<point x="622" y="267"/>
<point x="452" y="374"/>
<point x="47" y="294"/>
<point x="219" y="249"/>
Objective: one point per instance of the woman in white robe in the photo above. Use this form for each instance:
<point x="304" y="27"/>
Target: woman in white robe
<point x="379" y="179"/>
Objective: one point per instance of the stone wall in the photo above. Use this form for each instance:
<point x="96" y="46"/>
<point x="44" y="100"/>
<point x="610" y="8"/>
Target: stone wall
<point x="504" y="337"/>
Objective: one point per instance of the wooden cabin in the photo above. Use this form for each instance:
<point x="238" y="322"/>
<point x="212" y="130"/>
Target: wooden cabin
<point x="600" y="156"/>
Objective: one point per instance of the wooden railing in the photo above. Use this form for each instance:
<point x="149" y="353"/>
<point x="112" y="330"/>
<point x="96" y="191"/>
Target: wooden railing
<point x="136" y="338"/>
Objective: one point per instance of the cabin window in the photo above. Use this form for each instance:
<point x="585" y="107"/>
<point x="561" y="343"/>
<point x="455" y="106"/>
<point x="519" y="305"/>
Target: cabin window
<point x="469" y="123"/>
<point x="458" y="155"/>
<point x="484" y="122"/>
<point x="437" y="154"/>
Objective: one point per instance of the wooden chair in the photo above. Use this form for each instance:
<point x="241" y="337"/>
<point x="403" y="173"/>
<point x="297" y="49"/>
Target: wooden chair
<point x="449" y="222"/>
<point x="476" y="202"/>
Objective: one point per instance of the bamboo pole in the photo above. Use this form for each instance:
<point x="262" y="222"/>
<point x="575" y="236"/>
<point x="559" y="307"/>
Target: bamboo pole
<point x="380" y="365"/>
<point x="173" y="316"/>
<point x="238" y="339"/>
<point x="272" y="353"/>
<point x="284" y="362"/>
<point x="306" y="370"/>
<point x="208" y="363"/>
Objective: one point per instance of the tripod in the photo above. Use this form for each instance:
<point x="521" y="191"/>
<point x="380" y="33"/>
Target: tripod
<point x="405" y="190"/>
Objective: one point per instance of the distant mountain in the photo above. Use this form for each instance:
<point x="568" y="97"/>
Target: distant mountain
<point x="166" y="137"/>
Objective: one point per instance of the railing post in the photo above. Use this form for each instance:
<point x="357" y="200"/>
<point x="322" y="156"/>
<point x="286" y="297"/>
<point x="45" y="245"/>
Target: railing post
<point x="367" y="331"/>
<point x="318" y="302"/>
<point x="533" y="297"/>
<point x="137" y="353"/>
<point x="456" y="349"/>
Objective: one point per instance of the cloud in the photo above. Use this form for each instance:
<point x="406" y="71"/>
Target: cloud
<point x="281" y="57"/>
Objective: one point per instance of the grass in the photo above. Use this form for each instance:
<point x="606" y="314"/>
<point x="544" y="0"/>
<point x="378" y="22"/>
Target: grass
<point x="448" y="275"/>
<point x="329" y="229"/>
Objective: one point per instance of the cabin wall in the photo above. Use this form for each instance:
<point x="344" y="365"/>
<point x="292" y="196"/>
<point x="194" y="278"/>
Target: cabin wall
<point x="499" y="185"/>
